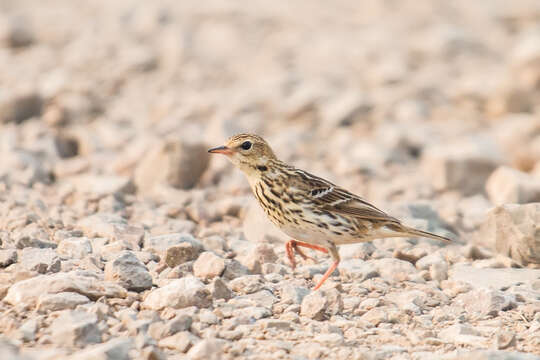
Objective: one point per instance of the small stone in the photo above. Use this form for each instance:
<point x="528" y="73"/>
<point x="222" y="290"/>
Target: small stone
<point x="75" y="247"/>
<point x="40" y="260"/>
<point x="20" y="107"/>
<point x="115" y="349"/>
<point x="182" y="253"/>
<point x="180" y="293"/>
<point x="27" y="331"/>
<point x="159" y="245"/>
<point x="60" y="301"/>
<point x="436" y="265"/>
<point x="357" y="270"/>
<point x="16" y="32"/>
<point x="291" y="294"/>
<point x="159" y="330"/>
<point x="128" y="271"/>
<point x="257" y="256"/>
<point x="276" y="269"/>
<point x="182" y="341"/>
<point x="172" y="162"/>
<point x="278" y="325"/>
<point x="504" y="339"/>
<point x="314" y="305"/>
<point x="207" y="349"/>
<point x="508" y="185"/>
<point x="252" y="312"/>
<point x="29" y="241"/>
<point x="234" y="269"/>
<point x="208" y="317"/>
<point x="8" y="257"/>
<point x="518" y="133"/>
<point x="512" y="230"/>
<point x="393" y="269"/>
<point x="220" y="290"/>
<point x="208" y="265"/>
<point x="76" y="328"/>
<point x="438" y="271"/>
<point x="375" y="316"/>
<point x="331" y="340"/>
<point x="247" y="284"/>
<point x="412" y="301"/>
<point x="9" y="350"/>
<point x="112" y="227"/>
<point x="485" y="301"/>
<point x="462" y="334"/>
<point x="152" y="353"/>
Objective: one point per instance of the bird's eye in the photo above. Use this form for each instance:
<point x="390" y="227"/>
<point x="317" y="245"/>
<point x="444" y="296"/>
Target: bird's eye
<point x="246" y="145"/>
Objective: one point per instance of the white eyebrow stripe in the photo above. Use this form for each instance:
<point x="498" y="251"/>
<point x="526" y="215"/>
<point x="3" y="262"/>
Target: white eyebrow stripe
<point x="324" y="192"/>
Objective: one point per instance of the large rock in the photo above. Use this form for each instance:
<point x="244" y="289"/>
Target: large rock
<point x="172" y="162"/>
<point x="507" y="185"/>
<point x="497" y="279"/>
<point x="513" y="230"/>
<point x="27" y="292"/>
<point x="179" y="293"/>
<point x="462" y="166"/>
<point x="128" y="271"/>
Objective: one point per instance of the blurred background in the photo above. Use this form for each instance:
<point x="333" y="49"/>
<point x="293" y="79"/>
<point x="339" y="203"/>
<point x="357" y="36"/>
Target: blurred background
<point x="396" y="100"/>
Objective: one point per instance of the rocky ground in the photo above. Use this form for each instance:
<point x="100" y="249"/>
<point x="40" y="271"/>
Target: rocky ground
<point x="121" y="238"/>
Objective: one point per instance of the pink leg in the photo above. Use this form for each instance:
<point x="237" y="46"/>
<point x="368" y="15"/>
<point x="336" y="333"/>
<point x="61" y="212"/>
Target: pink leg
<point x="327" y="274"/>
<point x="293" y="245"/>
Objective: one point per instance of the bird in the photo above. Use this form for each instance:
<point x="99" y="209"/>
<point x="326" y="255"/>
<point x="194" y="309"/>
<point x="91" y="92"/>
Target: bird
<point x="314" y="212"/>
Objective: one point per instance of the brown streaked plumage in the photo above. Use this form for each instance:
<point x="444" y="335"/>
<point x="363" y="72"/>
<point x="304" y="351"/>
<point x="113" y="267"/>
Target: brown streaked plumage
<point x="316" y="213"/>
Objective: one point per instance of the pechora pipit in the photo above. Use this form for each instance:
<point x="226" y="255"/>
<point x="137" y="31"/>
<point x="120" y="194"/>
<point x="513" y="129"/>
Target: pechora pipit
<point x="314" y="212"/>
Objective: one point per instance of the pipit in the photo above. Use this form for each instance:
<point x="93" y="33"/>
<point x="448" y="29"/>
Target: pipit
<point x="314" y="212"/>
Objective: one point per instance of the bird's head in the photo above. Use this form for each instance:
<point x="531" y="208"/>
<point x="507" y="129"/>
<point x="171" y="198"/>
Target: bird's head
<point x="250" y="153"/>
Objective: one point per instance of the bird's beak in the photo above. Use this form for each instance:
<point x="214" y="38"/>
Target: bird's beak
<point x="221" y="150"/>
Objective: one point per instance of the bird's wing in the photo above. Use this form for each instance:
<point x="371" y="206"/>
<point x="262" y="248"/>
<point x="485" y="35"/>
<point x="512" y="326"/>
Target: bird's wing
<point x="337" y="200"/>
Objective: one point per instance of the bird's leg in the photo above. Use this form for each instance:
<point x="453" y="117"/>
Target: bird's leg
<point x="335" y="256"/>
<point x="308" y="245"/>
<point x="289" y="246"/>
<point x="292" y="246"/>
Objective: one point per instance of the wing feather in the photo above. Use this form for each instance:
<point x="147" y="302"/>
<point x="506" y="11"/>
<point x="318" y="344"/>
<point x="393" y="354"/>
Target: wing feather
<point x="335" y="199"/>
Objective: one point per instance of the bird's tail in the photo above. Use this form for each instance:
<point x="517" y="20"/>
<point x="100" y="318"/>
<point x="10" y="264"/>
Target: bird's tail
<point x="416" y="232"/>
